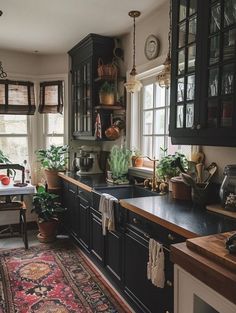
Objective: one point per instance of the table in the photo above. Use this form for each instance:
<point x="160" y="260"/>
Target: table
<point x="10" y="190"/>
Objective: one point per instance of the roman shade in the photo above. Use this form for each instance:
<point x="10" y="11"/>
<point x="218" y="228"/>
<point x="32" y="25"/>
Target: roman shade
<point x="51" y="97"/>
<point x="17" y="97"/>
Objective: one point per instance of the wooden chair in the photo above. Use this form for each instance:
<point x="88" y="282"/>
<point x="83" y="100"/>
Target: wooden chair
<point x="12" y="205"/>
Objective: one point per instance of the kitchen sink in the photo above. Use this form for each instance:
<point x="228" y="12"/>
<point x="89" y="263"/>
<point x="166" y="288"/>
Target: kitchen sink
<point x="126" y="192"/>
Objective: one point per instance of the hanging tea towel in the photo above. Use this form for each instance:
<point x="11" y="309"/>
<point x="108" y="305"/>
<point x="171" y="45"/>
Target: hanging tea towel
<point x="156" y="264"/>
<point x="106" y="207"/>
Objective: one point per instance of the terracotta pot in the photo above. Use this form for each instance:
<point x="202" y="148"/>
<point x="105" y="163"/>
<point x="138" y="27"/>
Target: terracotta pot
<point x="47" y="230"/>
<point x="137" y="161"/>
<point x="180" y="190"/>
<point x="53" y="180"/>
<point x="106" y="98"/>
<point x="112" y="133"/>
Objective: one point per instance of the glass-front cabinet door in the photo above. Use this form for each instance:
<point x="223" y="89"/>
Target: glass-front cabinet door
<point x="82" y="101"/>
<point x="220" y="102"/>
<point x="203" y="84"/>
<point x="184" y="60"/>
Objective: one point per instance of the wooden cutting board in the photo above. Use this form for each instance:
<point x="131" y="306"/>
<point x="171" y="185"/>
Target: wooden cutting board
<point x="217" y="208"/>
<point x="213" y="247"/>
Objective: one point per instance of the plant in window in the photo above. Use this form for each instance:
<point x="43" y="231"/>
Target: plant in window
<point x="137" y="159"/>
<point x="166" y="167"/>
<point x="107" y="94"/>
<point x="53" y="160"/>
<point x="119" y="162"/>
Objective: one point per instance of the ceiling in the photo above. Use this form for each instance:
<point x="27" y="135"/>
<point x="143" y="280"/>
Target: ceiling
<point x="55" y="26"/>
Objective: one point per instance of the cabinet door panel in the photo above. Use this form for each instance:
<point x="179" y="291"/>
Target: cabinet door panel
<point x="84" y="225"/>
<point x="114" y="254"/>
<point x="137" y="286"/>
<point x="97" y="238"/>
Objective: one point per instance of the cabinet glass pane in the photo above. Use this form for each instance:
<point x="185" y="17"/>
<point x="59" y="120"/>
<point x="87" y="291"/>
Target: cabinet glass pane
<point x="191" y="57"/>
<point x="182" y="34"/>
<point x="159" y="121"/>
<point x="147" y="122"/>
<point x="180" y="92"/>
<point x="182" y="10"/>
<point x="213" y="82"/>
<point x="227" y="112"/>
<point x="227" y="86"/>
<point x="189" y="115"/>
<point x="148" y="97"/>
<point x="215" y="18"/>
<point x="212" y="113"/>
<point x="229" y="44"/>
<point x="180" y="116"/>
<point x="190" y="87"/>
<point x="192" y="29"/>
<point x="192" y="6"/>
<point x="214" y="49"/>
<point x="181" y="62"/>
<point x="229" y="12"/>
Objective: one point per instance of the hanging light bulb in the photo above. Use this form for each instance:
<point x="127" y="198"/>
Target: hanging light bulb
<point x="133" y="85"/>
<point x="164" y="77"/>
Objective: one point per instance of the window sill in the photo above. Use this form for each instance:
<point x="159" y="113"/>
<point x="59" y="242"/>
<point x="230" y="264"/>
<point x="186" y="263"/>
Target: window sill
<point x="142" y="172"/>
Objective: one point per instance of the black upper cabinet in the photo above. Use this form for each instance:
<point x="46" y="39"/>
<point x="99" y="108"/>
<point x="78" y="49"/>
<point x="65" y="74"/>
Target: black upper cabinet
<point x="84" y="91"/>
<point x="203" y="109"/>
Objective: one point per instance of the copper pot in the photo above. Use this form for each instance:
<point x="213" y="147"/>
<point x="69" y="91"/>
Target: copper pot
<point x="112" y="132"/>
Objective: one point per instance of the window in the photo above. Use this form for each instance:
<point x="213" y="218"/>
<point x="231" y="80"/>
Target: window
<point x="150" y="126"/>
<point x="54" y="129"/>
<point x="14" y="134"/>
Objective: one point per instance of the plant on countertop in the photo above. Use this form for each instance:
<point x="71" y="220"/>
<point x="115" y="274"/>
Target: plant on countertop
<point x="165" y="168"/>
<point x="119" y="162"/>
<point x="53" y="158"/>
<point x="137" y="159"/>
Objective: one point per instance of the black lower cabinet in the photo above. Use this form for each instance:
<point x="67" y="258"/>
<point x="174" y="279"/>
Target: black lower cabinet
<point x="83" y="232"/>
<point x="97" y="240"/>
<point x="145" y="296"/>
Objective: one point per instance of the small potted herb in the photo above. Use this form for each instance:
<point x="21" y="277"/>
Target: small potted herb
<point x="47" y="207"/>
<point x="137" y="159"/>
<point x="107" y="94"/>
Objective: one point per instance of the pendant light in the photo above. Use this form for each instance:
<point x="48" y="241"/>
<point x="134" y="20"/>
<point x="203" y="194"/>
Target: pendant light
<point x="164" y="77"/>
<point x="133" y="85"/>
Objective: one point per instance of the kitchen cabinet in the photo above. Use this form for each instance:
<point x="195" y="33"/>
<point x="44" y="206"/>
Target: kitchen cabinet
<point x="193" y="296"/>
<point x="203" y="86"/>
<point x="83" y="212"/>
<point x="84" y="86"/>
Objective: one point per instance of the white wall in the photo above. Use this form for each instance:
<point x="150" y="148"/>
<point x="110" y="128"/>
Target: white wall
<point x="158" y="24"/>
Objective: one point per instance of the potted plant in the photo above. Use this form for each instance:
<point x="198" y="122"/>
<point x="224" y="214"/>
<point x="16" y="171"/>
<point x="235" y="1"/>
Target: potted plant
<point x="137" y="159"/>
<point x="166" y="168"/>
<point x="47" y="207"/>
<point x="107" y="94"/>
<point x="53" y="160"/>
<point x="119" y="162"/>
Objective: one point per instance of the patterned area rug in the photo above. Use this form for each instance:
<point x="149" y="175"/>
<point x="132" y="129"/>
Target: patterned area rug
<point x="53" y="279"/>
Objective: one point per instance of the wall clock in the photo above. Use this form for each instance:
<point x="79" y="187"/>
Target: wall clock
<point x="152" y="47"/>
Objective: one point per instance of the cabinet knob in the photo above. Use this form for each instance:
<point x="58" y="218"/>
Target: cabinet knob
<point x="171" y="237"/>
<point x="146" y="235"/>
<point x="193" y="127"/>
<point x="135" y="221"/>
<point x="199" y="126"/>
<point x="169" y="283"/>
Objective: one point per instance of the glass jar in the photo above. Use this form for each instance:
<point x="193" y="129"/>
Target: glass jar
<point x="228" y="185"/>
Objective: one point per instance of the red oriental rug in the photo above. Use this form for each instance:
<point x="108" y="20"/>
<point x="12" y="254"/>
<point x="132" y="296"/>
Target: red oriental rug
<point x="53" y="279"/>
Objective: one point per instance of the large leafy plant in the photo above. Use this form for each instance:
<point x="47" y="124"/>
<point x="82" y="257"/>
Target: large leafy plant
<point x="119" y="162"/>
<point x="53" y="158"/>
<point x="46" y="205"/>
<point x="166" y="169"/>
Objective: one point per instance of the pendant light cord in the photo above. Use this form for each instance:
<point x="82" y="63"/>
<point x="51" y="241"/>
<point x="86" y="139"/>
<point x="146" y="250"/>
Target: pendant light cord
<point x="134" y="33"/>
<point x="170" y="29"/>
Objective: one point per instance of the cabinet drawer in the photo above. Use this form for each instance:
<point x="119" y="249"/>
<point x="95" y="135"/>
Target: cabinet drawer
<point x="84" y="195"/>
<point x="72" y="188"/>
<point x="159" y="233"/>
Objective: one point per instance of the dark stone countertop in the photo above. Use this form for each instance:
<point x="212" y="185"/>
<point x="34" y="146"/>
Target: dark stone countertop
<point x="179" y="216"/>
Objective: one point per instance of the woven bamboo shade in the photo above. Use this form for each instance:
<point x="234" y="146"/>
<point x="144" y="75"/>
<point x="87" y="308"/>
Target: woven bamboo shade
<point x="51" y="97"/>
<point x="17" y="97"/>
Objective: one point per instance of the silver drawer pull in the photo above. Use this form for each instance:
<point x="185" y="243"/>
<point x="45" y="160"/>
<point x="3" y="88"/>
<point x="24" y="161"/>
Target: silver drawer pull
<point x="169" y="283"/>
<point x="171" y="237"/>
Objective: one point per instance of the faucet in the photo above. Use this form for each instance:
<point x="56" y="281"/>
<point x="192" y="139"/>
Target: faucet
<point x="154" y="183"/>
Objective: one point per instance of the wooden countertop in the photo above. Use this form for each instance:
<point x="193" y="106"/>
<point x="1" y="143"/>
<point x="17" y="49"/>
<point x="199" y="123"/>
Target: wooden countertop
<point x="206" y="270"/>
